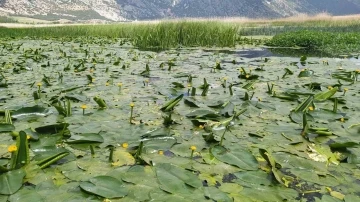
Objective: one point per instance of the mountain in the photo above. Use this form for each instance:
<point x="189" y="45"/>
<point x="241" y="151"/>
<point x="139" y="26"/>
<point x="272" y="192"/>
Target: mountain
<point x="120" y="10"/>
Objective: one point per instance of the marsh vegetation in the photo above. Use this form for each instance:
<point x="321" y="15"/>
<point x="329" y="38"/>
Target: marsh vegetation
<point x="178" y="111"/>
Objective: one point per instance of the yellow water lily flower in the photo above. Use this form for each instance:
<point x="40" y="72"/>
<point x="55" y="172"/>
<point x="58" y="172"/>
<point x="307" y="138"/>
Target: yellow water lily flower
<point x="125" y="145"/>
<point x="12" y="148"/>
<point x="193" y="148"/>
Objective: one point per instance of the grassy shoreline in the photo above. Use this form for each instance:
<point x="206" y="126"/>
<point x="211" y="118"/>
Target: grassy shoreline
<point x="328" y="35"/>
<point x="162" y="36"/>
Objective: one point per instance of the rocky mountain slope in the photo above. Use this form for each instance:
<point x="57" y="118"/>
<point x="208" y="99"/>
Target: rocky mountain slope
<point x="118" y="10"/>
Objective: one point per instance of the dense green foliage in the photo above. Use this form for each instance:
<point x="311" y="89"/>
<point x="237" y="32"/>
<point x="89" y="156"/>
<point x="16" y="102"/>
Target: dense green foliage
<point x="331" y="38"/>
<point x="271" y="28"/>
<point x="161" y="36"/>
<point x="315" y="40"/>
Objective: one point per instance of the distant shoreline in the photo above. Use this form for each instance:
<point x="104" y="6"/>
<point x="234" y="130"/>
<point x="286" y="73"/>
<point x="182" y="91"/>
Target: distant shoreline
<point x="301" y="18"/>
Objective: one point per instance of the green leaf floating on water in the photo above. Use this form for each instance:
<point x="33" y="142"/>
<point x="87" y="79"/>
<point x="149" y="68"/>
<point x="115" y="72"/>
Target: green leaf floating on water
<point x="52" y="128"/>
<point x="6" y="127"/>
<point x="238" y="157"/>
<point x="174" y="179"/>
<point x="32" y="133"/>
<point x="216" y="195"/>
<point x="26" y="195"/>
<point x="30" y="111"/>
<point x="11" y="181"/>
<point x="178" y="85"/>
<point x="203" y="113"/>
<point x="105" y="186"/>
<point x="191" y="102"/>
<point x="86" y="138"/>
<point x="228" y="110"/>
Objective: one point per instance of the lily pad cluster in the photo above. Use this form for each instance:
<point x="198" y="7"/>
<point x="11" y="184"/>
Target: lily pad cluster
<point x="100" y="121"/>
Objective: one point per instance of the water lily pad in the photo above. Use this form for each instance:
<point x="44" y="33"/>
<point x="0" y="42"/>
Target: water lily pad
<point x="5" y="127"/>
<point x="30" y="111"/>
<point x="216" y="195"/>
<point x="237" y="156"/>
<point x="85" y="138"/>
<point x="26" y="195"/>
<point x="105" y="186"/>
<point x="173" y="179"/>
<point x="11" y="182"/>
<point x="52" y="128"/>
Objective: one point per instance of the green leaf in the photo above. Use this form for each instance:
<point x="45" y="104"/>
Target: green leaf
<point x="303" y="58"/>
<point x="30" y="111"/>
<point x="237" y="156"/>
<point x="191" y="102"/>
<point x="325" y="115"/>
<point x="216" y="195"/>
<point x="52" y="159"/>
<point x="268" y="193"/>
<point x="22" y="156"/>
<point x="267" y="156"/>
<point x="53" y="128"/>
<point x="322" y="96"/>
<point x="201" y="113"/>
<point x="26" y="195"/>
<point x="85" y="138"/>
<point x="297" y="117"/>
<point x="121" y="158"/>
<point x="163" y="196"/>
<point x="174" y="179"/>
<point x="5" y="127"/>
<point x="11" y="181"/>
<point x="105" y="186"/>
<point x="306" y="73"/>
<point x="32" y="133"/>
<point x="343" y="142"/>
<point x="178" y="85"/>
<point x="172" y="103"/>
<point x="304" y="105"/>
<point x="228" y="110"/>
<point x="258" y="177"/>
<point x="351" y="198"/>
